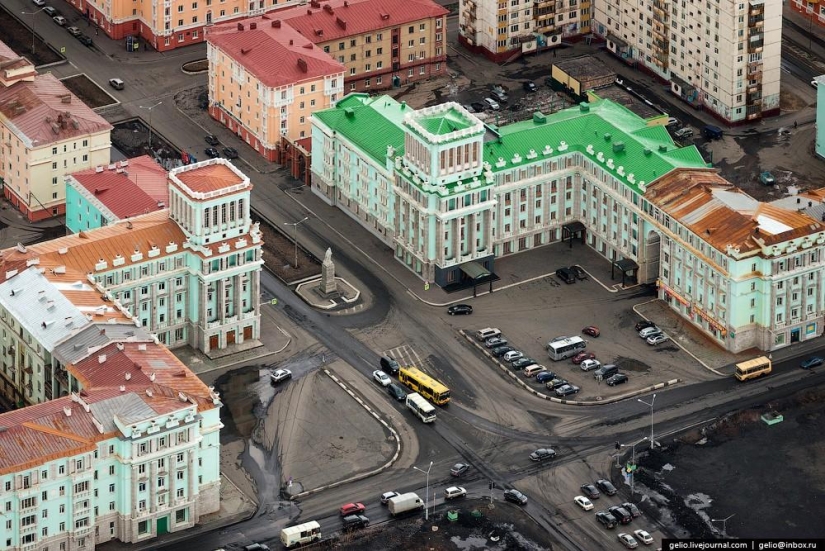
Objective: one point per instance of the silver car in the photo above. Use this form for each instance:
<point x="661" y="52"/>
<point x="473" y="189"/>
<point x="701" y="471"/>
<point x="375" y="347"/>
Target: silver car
<point x="492" y="104"/>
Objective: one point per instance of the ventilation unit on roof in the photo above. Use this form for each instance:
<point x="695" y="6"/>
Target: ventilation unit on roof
<point x="101" y="358"/>
<point x="21" y="248"/>
<point x="68" y="411"/>
<point x="120" y="346"/>
<point x="15" y="292"/>
<point x="149" y="394"/>
<point x="142" y="347"/>
<point x="128" y="376"/>
<point x="98" y="169"/>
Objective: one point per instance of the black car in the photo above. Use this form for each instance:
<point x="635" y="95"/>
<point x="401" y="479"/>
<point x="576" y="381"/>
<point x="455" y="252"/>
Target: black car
<point x="621" y="514"/>
<point x="590" y="491"/>
<point x="478" y="107"/>
<point x="212" y="152"/>
<point x="606" y="487"/>
<point x="632" y="509"/>
<point x="500" y="351"/>
<point x="617" y="379"/>
<point x="644" y="325"/>
<point x="579" y="271"/>
<point x="543" y="453"/>
<point x="566" y="390"/>
<point x="85" y="40"/>
<point x="522" y="362"/>
<point x="529" y="86"/>
<point x="389" y="366"/>
<point x="352" y="522"/>
<point x="605" y="518"/>
<point x="515" y="496"/>
<point x="811" y="362"/>
<point x="460" y="309"/>
<point x="230" y="152"/>
<point x="396" y="392"/>
<point x="211" y="140"/>
<point x="459" y="469"/>
<point x="566" y="275"/>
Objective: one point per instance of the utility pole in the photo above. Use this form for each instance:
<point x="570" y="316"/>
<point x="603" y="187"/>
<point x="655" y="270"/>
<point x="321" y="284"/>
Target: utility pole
<point x="150" y="108"/>
<point x="650" y="405"/>
<point x="295" y="235"/>
<point x="33" y="13"/>
<point x="427" y="472"/>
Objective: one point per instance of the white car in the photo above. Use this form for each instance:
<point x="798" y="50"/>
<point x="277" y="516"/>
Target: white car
<point x="39" y="2"/>
<point x="656" y="339"/>
<point x="386" y="496"/>
<point x="279" y="376"/>
<point x="492" y="104"/>
<point x="583" y="502"/>
<point x="628" y="541"/>
<point x="454" y="491"/>
<point x="590" y="365"/>
<point x="643" y="537"/>
<point x="513" y="355"/>
<point x="648" y="331"/>
<point x="381" y="377"/>
<point x="60" y="20"/>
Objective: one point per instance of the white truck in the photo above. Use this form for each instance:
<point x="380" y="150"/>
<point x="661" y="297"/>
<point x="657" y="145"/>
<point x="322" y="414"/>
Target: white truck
<point x="405" y="503"/>
<point x="421" y="407"/>
<point x="301" y="534"/>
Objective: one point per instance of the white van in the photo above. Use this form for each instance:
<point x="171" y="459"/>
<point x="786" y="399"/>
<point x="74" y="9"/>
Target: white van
<point x="299" y="535"/>
<point x="534" y="370"/>
<point x="487" y="333"/>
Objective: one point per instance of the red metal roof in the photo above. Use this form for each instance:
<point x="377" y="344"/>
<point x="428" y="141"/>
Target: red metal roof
<point x="209" y="177"/>
<point x="128" y="189"/>
<point x="11" y="62"/>
<point x="44" y="111"/>
<point x="277" y="56"/>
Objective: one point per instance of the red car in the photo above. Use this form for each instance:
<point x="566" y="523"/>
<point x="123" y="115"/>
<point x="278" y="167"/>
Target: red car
<point x="352" y="509"/>
<point x="591" y="330"/>
<point x="581" y="356"/>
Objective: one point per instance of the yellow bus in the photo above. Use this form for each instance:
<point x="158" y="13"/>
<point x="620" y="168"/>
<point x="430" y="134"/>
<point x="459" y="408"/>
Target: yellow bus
<point x="425" y="385"/>
<point x="753" y="369"/>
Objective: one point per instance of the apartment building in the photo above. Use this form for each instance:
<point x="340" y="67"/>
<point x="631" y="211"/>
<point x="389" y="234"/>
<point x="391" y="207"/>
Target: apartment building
<point x="450" y="195"/>
<point x="46" y="132"/>
<point x="189" y="274"/>
<point x="98" y="196"/>
<point x="132" y="454"/>
<point x="720" y="55"/>
<point x="501" y="29"/>
<point x="265" y="80"/>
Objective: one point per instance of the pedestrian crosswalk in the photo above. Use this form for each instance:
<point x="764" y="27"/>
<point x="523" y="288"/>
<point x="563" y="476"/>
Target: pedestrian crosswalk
<point x="405" y="355"/>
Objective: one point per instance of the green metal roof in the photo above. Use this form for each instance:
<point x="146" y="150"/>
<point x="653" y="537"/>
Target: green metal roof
<point x="370" y="123"/>
<point x="444" y="123"/>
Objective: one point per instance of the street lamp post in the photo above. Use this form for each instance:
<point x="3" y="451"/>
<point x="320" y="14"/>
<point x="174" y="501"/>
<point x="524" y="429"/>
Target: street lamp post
<point x="633" y="472"/>
<point x="650" y="405"/>
<point x="724" y="522"/>
<point x="150" y="108"/>
<point x="33" y="13"/>
<point x="295" y="236"/>
<point x="427" y="498"/>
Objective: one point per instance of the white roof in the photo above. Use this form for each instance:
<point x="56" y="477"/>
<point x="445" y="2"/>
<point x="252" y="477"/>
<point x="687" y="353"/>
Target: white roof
<point x="770" y="225"/>
<point x="40" y="307"/>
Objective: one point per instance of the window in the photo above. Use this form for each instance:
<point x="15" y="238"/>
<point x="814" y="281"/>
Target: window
<point x="143" y="527"/>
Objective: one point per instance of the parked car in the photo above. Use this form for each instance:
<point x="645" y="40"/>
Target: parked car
<point x="529" y="86"/>
<point x="513" y="355"/>
<point x="643" y="536"/>
<point x="648" y="331"/>
<point x="617" y="379"/>
<point x="85" y="40"/>
<point x="459" y="469"/>
<point x="39" y="3"/>
<point x="352" y="509"/>
<point x="396" y="392"/>
<point x="492" y="104"/>
<point x="684" y="133"/>
<point x="534" y="370"/>
<point x="556" y="382"/>
<point x="386" y="496"/>
<point x="628" y="541"/>
<point x="212" y="152"/>
<point x="279" y="376"/>
<point x="381" y="378"/>
<point x="591" y="330"/>
<point x="388" y="365"/>
<point x="644" y="324"/>
<point x="74" y="31"/>
<point x="606" y="519"/>
<point x="622" y="515"/>
<point x="583" y="502"/>
<point x="50" y="11"/>
<point x="606" y="487"/>
<point x="494" y="342"/>
<point x="712" y="132"/>
<point x="500" y="351"/>
<point x="672" y="121"/>
<point x="590" y="491"/>
<point x="545" y="377"/>
<point x="567" y="390"/>
<point x="515" y="496"/>
<point x="579" y="271"/>
<point x="60" y="20"/>
<point x="211" y="140"/>
<point x="460" y="309"/>
<point x="478" y="107"/>
<point x="657" y="338"/>
<point x="116" y="83"/>
<point x="543" y="453"/>
<point x="500" y="97"/>
<point x="813" y="361"/>
<point x="590" y="365"/>
<point x="454" y="491"/>
<point x="566" y="275"/>
<point x="632" y="509"/>
<point x="354" y="522"/>
<point x="581" y="356"/>
<point x="498" y="88"/>
<point x="522" y="362"/>
<point x="230" y="152"/>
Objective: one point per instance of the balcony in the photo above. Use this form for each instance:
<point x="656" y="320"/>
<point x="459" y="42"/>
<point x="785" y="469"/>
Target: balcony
<point x="755" y="46"/>
<point x="538" y="4"/>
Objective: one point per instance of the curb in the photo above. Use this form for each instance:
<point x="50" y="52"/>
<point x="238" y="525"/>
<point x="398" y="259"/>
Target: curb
<point x="543" y="396"/>
<point x="361" y="476"/>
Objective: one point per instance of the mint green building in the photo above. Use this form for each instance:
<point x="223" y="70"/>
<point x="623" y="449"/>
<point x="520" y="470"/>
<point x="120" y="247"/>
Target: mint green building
<point x="450" y="194"/>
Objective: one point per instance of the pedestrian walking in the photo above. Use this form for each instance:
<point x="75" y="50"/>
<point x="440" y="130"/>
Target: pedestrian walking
<point x="97" y="31"/>
<point x="795" y="124"/>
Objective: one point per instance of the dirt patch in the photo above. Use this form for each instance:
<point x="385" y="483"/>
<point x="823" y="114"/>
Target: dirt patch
<point x="18" y="37"/>
<point x="730" y="468"/>
<point x="88" y="91"/>
<point x="196" y="66"/>
<point x="503" y="528"/>
<point x="279" y="256"/>
<point x="132" y="138"/>
<point x="790" y="102"/>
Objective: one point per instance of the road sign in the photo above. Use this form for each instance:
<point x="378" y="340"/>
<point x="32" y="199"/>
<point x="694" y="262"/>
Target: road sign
<point x="273" y="302"/>
<point x="63" y="49"/>
<point x="426" y="285"/>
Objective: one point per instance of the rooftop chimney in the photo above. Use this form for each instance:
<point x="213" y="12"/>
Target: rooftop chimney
<point x="253" y="26"/>
<point x="240" y="26"/>
<point x="277" y="23"/>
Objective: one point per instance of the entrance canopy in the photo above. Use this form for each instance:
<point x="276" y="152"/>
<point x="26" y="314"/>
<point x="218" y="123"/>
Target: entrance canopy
<point x="626" y="265"/>
<point x="474" y="270"/>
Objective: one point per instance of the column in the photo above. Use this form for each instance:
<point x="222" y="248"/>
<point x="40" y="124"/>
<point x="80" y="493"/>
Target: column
<point x="237" y="293"/>
<point x="221" y="287"/>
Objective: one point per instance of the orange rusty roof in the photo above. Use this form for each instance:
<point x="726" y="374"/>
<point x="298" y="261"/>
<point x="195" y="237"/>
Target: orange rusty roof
<point x="723" y="215"/>
<point x="209" y="177"/>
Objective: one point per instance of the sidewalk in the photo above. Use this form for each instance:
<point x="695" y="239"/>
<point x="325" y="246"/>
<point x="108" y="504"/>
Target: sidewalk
<point x="17" y="229"/>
